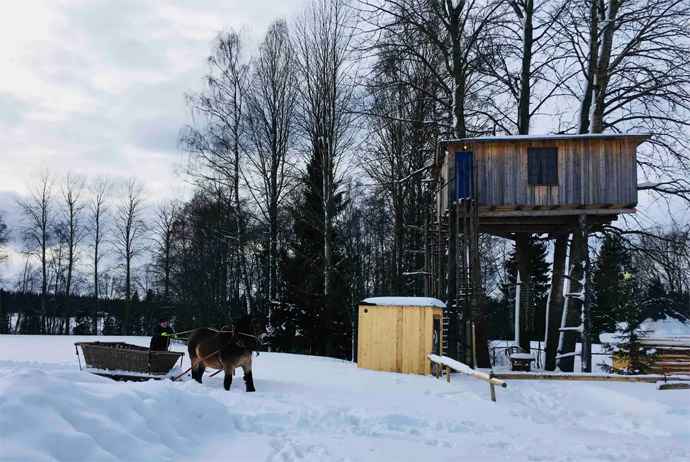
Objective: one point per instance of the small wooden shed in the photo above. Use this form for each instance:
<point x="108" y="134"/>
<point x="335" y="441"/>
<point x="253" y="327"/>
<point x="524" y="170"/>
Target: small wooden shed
<point x="396" y="334"/>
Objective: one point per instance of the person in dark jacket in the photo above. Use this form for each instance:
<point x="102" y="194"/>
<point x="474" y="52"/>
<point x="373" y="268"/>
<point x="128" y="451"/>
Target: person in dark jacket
<point x="161" y="336"/>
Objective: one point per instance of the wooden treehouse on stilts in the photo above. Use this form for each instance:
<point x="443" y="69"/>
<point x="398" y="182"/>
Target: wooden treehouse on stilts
<point x="512" y="187"/>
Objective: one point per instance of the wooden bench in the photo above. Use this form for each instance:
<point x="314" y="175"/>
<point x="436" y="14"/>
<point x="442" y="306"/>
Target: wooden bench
<point x="519" y="361"/>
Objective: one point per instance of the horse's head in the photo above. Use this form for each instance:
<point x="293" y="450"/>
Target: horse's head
<point x="256" y="326"/>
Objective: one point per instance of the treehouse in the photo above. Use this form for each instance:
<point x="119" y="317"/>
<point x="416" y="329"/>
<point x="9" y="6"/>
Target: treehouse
<point x="512" y="187"/>
<point x="539" y="184"/>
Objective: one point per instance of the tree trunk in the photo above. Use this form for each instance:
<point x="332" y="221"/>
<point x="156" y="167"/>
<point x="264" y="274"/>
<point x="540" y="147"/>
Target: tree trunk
<point x="526" y="74"/>
<point x="586" y="103"/>
<point x="601" y="78"/>
<point x="478" y="305"/>
<point x="44" y="281"/>
<point x="94" y="320"/>
<point x="555" y="302"/>
<point x="523" y="252"/>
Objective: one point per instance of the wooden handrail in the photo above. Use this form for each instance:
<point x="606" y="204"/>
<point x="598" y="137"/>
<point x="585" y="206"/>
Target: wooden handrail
<point x="450" y="363"/>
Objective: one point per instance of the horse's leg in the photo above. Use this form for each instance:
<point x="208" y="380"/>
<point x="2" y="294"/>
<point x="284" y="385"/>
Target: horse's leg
<point x="248" y="378"/>
<point x="198" y="371"/>
<point x="229" y="370"/>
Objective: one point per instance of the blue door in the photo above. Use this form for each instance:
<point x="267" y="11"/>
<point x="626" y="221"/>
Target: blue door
<point x="464" y="173"/>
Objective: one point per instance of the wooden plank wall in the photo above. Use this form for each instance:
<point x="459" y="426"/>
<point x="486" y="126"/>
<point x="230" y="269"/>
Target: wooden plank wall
<point x="396" y="338"/>
<point x="591" y="171"/>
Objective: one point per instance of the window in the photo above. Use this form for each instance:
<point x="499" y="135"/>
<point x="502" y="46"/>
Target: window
<point x="543" y="166"/>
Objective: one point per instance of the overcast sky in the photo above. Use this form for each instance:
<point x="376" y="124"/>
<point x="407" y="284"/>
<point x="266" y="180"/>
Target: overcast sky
<point x="98" y="86"/>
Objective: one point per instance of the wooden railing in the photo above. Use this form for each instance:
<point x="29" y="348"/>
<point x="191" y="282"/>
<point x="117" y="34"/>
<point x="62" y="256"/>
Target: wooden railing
<point x="449" y="364"/>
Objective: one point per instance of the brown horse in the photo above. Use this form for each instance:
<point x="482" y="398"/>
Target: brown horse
<point x="234" y="349"/>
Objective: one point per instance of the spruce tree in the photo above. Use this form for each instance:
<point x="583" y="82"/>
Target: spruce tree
<point x="307" y="320"/>
<point x="612" y="269"/>
<point x="629" y="348"/>
<point x="538" y="286"/>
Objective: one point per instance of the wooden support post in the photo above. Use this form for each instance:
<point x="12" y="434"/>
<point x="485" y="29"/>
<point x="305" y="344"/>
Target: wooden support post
<point x="447" y="373"/>
<point x="428" y="277"/>
<point x="587" y="308"/>
<point x="452" y="296"/>
<point x="478" y="304"/>
<point x="474" y="348"/>
<point x="493" y="392"/>
<point x="555" y="302"/>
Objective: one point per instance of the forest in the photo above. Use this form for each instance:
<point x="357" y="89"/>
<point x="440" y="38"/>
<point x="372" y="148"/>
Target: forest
<point x="309" y="155"/>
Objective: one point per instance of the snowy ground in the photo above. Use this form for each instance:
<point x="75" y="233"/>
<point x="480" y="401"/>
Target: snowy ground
<point x="319" y="409"/>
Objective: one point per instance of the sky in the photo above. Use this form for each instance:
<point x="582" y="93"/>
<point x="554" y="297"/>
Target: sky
<point x="97" y="87"/>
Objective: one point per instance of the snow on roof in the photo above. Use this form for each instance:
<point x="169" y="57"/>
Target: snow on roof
<point x="667" y="328"/>
<point x="551" y="136"/>
<point x="404" y="301"/>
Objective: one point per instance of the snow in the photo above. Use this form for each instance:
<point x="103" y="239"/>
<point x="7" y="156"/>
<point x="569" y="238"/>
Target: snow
<point x="522" y="356"/>
<point x="667" y="328"/>
<point x="404" y="301"/>
<point x="551" y="136"/>
<point x="310" y="408"/>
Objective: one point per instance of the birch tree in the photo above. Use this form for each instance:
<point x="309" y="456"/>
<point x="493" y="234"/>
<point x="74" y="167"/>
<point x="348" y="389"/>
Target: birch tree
<point x="634" y="61"/>
<point x="271" y="109"/>
<point x="525" y="72"/>
<point x="326" y="75"/>
<point x="72" y="209"/>
<point x="216" y="140"/>
<point x="450" y="39"/>
<point x="38" y="213"/>
<point x="100" y="190"/>
<point x="128" y="236"/>
<point x="167" y="216"/>
<point x="4" y="238"/>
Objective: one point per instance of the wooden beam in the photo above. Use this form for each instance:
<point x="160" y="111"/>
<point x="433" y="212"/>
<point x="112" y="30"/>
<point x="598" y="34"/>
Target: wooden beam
<point x="590" y="377"/>
<point x="548" y="213"/>
<point x="496" y="232"/>
<point x="562" y="230"/>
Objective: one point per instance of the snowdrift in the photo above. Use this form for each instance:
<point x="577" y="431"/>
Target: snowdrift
<point x="312" y="408"/>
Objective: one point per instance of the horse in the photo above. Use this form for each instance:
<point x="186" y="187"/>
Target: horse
<point x="234" y="349"/>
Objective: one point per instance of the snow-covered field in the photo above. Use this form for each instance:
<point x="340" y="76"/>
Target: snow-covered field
<point x="320" y="409"/>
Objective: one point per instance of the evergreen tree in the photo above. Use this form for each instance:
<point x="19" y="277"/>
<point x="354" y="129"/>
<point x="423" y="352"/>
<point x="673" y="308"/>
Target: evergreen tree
<point x="630" y="349"/>
<point x="538" y="286"/>
<point x="612" y="269"/>
<point x="307" y="321"/>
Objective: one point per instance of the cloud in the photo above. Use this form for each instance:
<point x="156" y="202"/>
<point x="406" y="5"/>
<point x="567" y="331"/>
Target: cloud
<point x="98" y="87"/>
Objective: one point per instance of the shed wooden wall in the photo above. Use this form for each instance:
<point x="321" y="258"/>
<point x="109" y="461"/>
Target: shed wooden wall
<point x="396" y="338"/>
<point x="591" y="171"/>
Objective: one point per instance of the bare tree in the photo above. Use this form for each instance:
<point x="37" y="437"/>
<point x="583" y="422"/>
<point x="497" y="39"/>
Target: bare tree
<point x="522" y="72"/>
<point x="128" y="236"/>
<point x="450" y="39"/>
<point x="98" y="230"/>
<point x="215" y="141"/>
<point x="4" y="237"/>
<point x="72" y="208"/>
<point x="634" y="60"/>
<point x="37" y="210"/>
<point x="163" y="235"/>
<point x="326" y="72"/>
<point x="398" y="147"/>
<point x="272" y="102"/>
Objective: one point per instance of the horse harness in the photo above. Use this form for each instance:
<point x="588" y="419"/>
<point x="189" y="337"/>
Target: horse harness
<point x="236" y="341"/>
